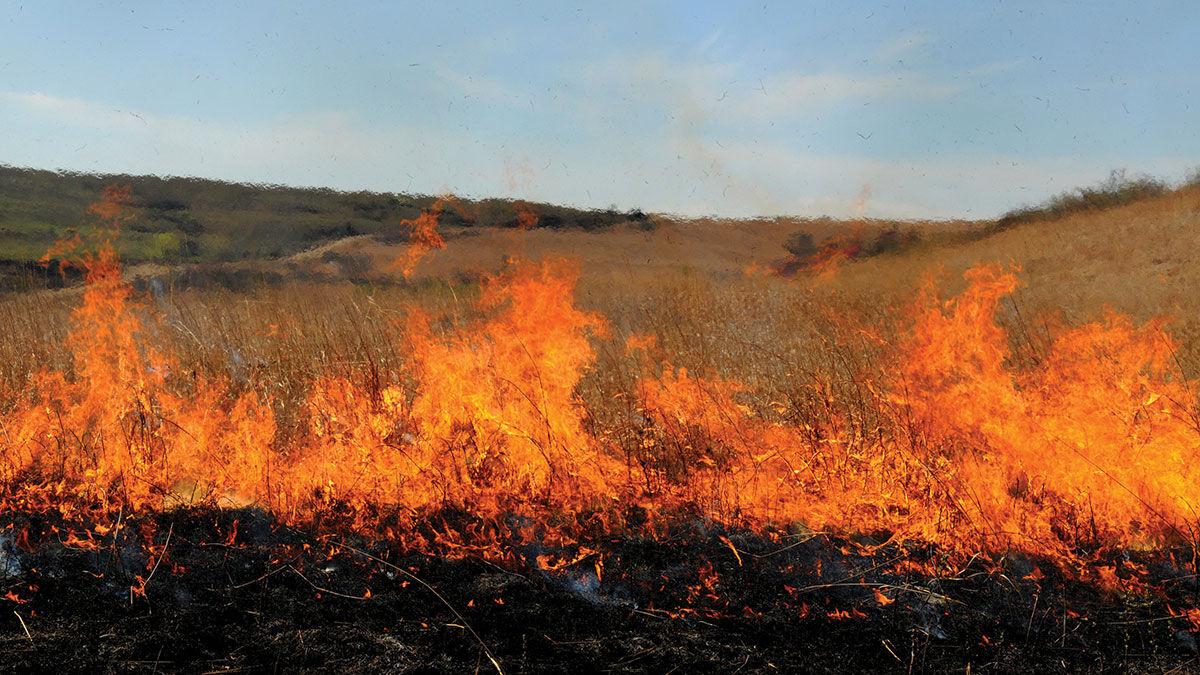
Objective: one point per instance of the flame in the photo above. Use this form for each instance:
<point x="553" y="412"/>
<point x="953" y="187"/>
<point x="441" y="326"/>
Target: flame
<point x="756" y="269"/>
<point x="495" y="419"/>
<point x="1091" y="445"/>
<point x="502" y="395"/>
<point x="1094" y="444"/>
<point x="822" y="265"/>
<point x="113" y="431"/>
<point x="515" y="238"/>
<point x="825" y="263"/>
<point x="423" y="236"/>
<point x="527" y="217"/>
<point x="640" y="342"/>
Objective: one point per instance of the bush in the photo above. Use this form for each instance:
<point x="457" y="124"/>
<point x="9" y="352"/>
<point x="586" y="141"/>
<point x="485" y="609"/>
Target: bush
<point x="166" y="246"/>
<point x="1117" y="190"/>
<point x="801" y="244"/>
<point x="892" y="239"/>
<point x="216" y="221"/>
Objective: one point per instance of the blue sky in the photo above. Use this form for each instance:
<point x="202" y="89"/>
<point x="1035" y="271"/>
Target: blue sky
<point x="906" y="109"/>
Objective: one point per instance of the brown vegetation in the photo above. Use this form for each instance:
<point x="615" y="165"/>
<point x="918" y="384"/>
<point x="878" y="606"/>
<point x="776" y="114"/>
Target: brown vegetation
<point x="1012" y="393"/>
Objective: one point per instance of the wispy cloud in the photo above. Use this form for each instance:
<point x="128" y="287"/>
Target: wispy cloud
<point x="329" y="148"/>
<point x="482" y="87"/>
<point x="789" y="108"/>
<point x="798" y="93"/>
<point x="990" y="68"/>
<point x="711" y="40"/>
<point x="733" y="93"/>
<point x="336" y="149"/>
<point x="73" y="111"/>
<point x="773" y="179"/>
<point x="901" y="46"/>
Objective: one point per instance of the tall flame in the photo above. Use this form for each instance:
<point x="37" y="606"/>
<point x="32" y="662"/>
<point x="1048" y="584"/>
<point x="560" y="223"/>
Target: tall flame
<point x="423" y="237"/>
<point x="1093" y="444"/>
<point x="495" y="420"/>
<point x="1097" y="443"/>
<point x="114" y="432"/>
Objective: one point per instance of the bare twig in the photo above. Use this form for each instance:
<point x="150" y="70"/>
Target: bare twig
<point x="23" y="626"/>
<point x="431" y="589"/>
<point x="321" y="589"/>
<point x="777" y="551"/>
<point x="272" y="573"/>
<point x="166" y="545"/>
<point x="895" y="587"/>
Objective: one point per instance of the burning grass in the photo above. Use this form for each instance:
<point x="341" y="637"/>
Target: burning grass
<point x="923" y="435"/>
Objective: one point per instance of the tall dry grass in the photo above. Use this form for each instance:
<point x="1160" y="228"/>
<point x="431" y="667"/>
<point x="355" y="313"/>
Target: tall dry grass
<point x="810" y="353"/>
<point x="769" y="333"/>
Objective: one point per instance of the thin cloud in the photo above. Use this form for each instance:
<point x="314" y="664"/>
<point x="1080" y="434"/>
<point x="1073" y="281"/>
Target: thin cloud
<point x="903" y="45"/>
<point x="798" y="93"/>
<point x="483" y="88"/>
<point x="727" y="92"/>
<point x="72" y="110"/>
<point x="711" y="40"/>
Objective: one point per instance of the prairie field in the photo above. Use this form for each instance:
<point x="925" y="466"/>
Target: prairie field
<point x="817" y="348"/>
<point x="999" y="400"/>
<point x="692" y="284"/>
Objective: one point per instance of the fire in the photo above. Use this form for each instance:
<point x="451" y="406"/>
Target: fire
<point x="825" y="264"/>
<point x="494" y="421"/>
<point x="116" y="431"/>
<point x="1093" y="445"/>
<point x="640" y="342"/>
<point x="527" y="217"/>
<point x="1096" y="444"/>
<point x="502" y="395"/>
<point x="423" y="236"/>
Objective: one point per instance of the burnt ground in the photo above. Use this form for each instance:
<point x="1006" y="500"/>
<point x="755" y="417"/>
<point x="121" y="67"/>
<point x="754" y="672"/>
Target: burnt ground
<point x="231" y="591"/>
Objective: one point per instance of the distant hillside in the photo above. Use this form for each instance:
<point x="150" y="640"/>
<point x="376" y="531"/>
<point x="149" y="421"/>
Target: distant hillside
<point x="199" y="220"/>
<point x="232" y="234"/>
<point x="1139" y="258"/>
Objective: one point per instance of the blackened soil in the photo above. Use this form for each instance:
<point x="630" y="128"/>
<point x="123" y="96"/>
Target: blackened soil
<point x="257" y="597"/>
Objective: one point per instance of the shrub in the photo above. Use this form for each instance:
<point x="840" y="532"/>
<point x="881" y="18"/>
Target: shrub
<point x="801" y="244"/>
<point x="892" y="239"/>
<point x="1117" y="190"/>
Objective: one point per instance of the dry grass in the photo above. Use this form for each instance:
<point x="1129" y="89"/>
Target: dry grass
<point x="1140" y="259"/>
<point x="685" y="283"/>
<point x="835" y="387"/>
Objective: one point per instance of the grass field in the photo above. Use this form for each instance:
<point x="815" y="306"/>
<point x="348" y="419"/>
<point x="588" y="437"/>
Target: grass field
<point x="976" y="439"/>
<point x="710" y="278"/>
<point x="664" y="327"/>
<point x="195" y="220"/>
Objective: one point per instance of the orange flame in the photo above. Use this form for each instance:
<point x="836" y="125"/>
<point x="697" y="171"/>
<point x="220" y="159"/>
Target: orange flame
<point x="527" y="218"/>
<point x="113" y="431"/>
<point x="423" y="237"/>
<point x="1092" y="445"/>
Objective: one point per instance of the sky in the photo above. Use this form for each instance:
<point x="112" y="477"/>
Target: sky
<point x="897" y="109"/>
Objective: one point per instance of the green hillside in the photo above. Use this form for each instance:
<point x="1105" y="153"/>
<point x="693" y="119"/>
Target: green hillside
<point x="199" y="220"/>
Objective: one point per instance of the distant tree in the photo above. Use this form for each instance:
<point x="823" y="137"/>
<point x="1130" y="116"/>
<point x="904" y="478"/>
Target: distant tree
<point x="1120" y="188"/>
<point x="801" y="244"/>
<point x="893" y="239"/>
